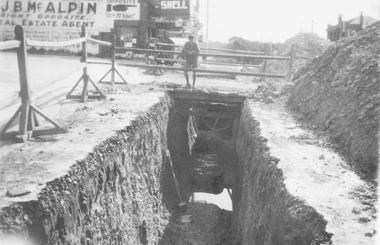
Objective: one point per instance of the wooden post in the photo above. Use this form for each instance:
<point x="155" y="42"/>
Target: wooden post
<point x="155" y="48"/>
<point x="289" y="76"/>
<point x="113" y="38"/>
<point x="24" y="85"/>
<point x="264" y="70"/>
<point x="270" y="53"/>
<point x="84" y="95"/>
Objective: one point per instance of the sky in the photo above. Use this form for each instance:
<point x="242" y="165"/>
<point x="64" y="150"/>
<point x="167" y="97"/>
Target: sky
<point x="278" y="20"/>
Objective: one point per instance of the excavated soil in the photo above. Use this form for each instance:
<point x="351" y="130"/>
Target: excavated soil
<point x="338" y="94"/>
<point x="305" y="45"/>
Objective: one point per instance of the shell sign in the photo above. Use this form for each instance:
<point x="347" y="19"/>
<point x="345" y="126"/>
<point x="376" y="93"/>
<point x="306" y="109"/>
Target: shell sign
<point x="169" y="8"/>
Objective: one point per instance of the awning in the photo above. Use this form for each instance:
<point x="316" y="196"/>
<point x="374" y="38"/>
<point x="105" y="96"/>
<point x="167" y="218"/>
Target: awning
<point x="178" y="40"/>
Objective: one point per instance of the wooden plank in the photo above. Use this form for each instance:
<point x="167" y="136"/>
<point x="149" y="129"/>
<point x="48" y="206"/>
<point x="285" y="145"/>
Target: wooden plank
<point x="94" y="97"/>
<point x="10" y="44"/>
<point x="233" y="51"/>
<point x="210" y="54"/>
<point x="205" y="70"/>
<point x="35" y="109"/>
<point x="217" y="49"/>
<point x="96" y="87"/>
<point x="50" y="131"/>
<point x="246" y="56"/>
<point x="216" y="97"/>
<point x="212" y="63"/>
<point x="9" y="123"/>
<point x="229" y="64"/>
<point x="203" y="113"/>
<point x="35" y="43"/>
<point x="76" y="84"/>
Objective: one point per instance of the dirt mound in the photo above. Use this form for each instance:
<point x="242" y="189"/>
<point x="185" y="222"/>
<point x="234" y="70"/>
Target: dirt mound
<point x="305" y="45"/>
<point x="339" y="94"/>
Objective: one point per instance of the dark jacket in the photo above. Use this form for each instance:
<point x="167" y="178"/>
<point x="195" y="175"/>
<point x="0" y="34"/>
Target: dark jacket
<point x="191" y="51"/>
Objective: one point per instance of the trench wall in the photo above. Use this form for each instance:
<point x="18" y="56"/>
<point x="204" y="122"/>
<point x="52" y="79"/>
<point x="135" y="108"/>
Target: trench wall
<point x="264" y="211"/>
<point x="113" y="196"/>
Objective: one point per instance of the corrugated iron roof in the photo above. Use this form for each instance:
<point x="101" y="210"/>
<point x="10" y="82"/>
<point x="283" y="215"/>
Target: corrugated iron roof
<point x="366" y="21"/>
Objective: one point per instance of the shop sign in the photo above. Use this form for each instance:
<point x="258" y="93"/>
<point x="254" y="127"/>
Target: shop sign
<point x="169" y="8"/>
<point x="62" y="20"/>
<point x="130" y="55"/>
<point x="123" y="9"/>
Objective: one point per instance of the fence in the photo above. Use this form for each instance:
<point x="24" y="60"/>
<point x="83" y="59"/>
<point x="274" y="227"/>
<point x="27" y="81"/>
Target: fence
<point x="225" y="53"/>
<point x="234" y="56"/>
<point x="27" y="111"/>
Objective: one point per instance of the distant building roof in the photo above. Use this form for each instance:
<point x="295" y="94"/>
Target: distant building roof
<point x="367" y="21"/>
<point x="348" y="28"/>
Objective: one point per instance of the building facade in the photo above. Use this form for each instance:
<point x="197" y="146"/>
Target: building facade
<point x="348" y="28"/>
<point x="133" y="22"/>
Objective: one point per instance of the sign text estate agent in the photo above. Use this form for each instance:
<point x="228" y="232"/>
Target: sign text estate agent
<point x="61" y="15"/>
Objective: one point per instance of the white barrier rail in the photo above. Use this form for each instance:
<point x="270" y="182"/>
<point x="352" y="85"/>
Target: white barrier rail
<point x="35" y="43"/>
<point x="99" y="42"/>
<point x="9" y="44"/>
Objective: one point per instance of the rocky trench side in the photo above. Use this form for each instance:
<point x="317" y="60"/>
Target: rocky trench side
<point x="264" y="212"/>
<point x="113" y="196"/>
<point x="337" y="94"/>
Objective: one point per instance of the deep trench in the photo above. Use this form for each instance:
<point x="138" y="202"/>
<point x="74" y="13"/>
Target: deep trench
<point x="123" y="188"/>
<point x="234" y="156"/>
<point x="203" y="153"/>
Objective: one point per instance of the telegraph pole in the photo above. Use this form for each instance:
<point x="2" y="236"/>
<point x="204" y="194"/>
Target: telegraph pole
<point x="207" y="24"/>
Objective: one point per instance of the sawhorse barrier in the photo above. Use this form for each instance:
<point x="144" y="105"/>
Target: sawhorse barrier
<point x="27" y="111"/>
<point x="112" y="62"/>
<point x="85" y="77"/>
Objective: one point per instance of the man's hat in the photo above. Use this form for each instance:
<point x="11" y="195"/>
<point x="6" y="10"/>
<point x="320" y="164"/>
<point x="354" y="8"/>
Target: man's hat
<point x="191" y="36"/>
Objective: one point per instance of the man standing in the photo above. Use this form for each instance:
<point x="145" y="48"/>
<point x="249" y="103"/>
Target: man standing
<point x="191" y="51"/>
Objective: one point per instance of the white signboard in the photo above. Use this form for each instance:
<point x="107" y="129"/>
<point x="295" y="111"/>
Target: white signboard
<point x="62" y="20"/>
<point x="123" y="9"/>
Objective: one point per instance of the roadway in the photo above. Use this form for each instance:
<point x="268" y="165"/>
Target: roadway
<point x="50" y="78"/>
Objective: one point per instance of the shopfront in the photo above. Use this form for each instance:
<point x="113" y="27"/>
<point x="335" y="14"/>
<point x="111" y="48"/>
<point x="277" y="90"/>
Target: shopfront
<point x="133" y="22"/>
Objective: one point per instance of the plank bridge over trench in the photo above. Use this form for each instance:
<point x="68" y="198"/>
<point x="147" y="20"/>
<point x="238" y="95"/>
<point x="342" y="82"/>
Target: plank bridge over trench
<point x="215" y="117"/>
